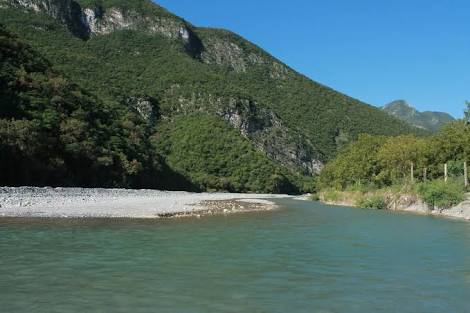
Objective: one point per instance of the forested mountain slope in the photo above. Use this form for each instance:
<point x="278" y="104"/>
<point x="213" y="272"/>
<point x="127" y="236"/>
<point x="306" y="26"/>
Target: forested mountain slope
<point x="55" y="133"/>
<point x="138" y="58"/>
<point x="52" y="131"/>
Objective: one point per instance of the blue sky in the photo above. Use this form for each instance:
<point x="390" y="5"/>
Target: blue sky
<point x="376" y="51"/>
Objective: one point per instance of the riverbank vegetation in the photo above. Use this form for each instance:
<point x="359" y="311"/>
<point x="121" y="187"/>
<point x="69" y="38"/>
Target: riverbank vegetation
<point x="432" y="168"/>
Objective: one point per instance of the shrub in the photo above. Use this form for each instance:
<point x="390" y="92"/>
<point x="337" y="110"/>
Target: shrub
<point x="331" y="195"/>
<point x="440" y="194"/>
<point x="372" y="202"/>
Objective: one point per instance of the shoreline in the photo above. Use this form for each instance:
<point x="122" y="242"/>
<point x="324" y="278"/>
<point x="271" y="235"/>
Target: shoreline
<point x="411" y="204"/>
<point x="48" y="202"/>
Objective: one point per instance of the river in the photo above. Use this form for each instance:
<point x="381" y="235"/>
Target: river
<point x="305" y="257"/>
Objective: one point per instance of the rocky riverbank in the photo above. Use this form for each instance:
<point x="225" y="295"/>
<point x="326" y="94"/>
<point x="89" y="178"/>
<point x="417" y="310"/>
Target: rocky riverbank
<point x="400" y="202"/>
<point x="124" y="203"/>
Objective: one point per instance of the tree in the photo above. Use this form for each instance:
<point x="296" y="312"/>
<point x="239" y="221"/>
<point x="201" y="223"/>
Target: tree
<point x="356" y="164"/>
<point x="467" y="121"/>
<point x="452" y="143"/>
<point x="400" y="155"/>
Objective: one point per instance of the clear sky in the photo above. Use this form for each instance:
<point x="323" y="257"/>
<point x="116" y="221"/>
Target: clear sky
<point x="373" y="50"/>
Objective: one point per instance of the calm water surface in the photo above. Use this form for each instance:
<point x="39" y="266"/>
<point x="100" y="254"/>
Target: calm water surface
<point x="306" y="257"/>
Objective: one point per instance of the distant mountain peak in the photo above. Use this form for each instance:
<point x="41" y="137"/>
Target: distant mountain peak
<point x="399" y="104"/>
<point x="426" y="120"/>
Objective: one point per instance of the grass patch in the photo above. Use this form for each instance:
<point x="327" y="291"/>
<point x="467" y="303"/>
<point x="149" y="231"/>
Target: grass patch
<point x="332" y="195"/>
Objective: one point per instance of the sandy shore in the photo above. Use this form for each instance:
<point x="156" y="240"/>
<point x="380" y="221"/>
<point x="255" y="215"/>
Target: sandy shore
<point x="124" y="203"/>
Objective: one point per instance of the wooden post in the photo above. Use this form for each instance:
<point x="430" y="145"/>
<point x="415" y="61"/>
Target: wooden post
<point x="465" y="174"/>
<point x="425" y="174"/>
<point x="412" y="173"/>
<point x="445" y="172"/>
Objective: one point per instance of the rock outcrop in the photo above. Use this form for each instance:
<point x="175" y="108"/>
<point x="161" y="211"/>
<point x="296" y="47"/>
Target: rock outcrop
<point x="86" y="21"/>
<point x="60" y="10"/>
<point x="269" y="135"/>
<point x="146" y="107"/>
<point x="227" y="49"/>
<point x="102" y="21"/>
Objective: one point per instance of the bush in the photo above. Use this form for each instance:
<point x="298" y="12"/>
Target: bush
<point x="440" y="194"/>
<point x="331" y="195"/>
<point x="372" y="202"/>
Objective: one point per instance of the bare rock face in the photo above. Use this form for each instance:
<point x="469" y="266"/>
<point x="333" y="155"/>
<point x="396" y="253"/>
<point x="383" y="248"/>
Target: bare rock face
<point x="244" y="115"/>
<point x="223" y="48"/>
<point x="269" y="135"/>
<point x="145" y="106"/>
<point x="97" y="20"/>
<point x="224" y="52"/>
<point x="102" y="21"/>
<point x="60" y="10"/>
<point x="65" y="11"/>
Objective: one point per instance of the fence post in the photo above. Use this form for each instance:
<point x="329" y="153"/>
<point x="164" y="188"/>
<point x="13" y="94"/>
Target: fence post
<point x="465" y="174"/>
<point x="412" y="173"/>
<point x="445" y="172"/>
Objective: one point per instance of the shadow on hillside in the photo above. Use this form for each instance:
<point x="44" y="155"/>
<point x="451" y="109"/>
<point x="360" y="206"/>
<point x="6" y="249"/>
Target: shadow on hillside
<point x="169" y="179"/>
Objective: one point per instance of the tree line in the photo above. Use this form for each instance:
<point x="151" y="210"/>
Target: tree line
<point x="380" y="161"/>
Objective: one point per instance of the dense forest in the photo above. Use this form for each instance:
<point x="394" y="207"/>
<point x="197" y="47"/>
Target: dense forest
<point x="435" y="166"/>
<point x="54" y="132"/>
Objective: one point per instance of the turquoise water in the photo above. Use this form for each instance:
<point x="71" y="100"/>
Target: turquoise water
<point x="306" y="257"/>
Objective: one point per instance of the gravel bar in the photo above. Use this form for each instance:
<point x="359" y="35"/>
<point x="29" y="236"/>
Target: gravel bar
<point x="123" y="203"/>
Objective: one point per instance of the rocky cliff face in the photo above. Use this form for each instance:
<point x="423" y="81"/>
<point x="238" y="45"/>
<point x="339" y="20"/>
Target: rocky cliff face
<point x="97" y="20"/>
<point x="67" y="12"/>
<point x="227" y="49"/>
<point x="269" y="135"/>
<point x="101" y="21"/>
<point x="61" y="10"/>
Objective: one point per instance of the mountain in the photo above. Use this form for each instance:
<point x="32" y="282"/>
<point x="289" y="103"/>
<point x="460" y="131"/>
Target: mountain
<point x="431" y="121"/>
<point x="179" y="103"/>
